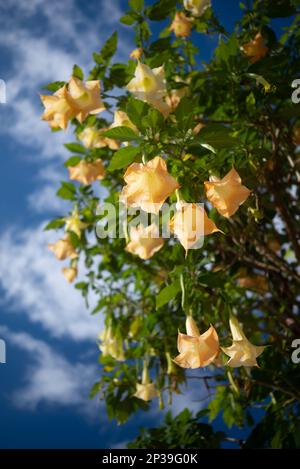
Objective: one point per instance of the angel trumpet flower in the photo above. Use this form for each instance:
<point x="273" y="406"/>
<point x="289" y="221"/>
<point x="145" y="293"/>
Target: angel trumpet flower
<point x="144" y="241"/>
<point x="196" y="350"/>
<point x="241" y="352"/>
<point x="196" y="7"/>
<point x="226" y="194"/>
<point x="190" y="224"/>
<point x="110" y="345"/>
<point x="92" y="137"/>
<point x="148" y="185"/>
<point x="70" y="273"/>
<point x="181" y="25"/>
<point x="73" y="223"/>
<point x="86" y="173"/>
<point x="63" y="248"/>
<point x="58" y="110"/>
<point x="255" y="50"/>
<point x="147" y="389"/>
<point x="150" y="85"/>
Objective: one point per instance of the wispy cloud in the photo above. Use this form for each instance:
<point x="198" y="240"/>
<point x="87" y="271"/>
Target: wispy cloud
<point x="33" y="284"/>
<point x="49" y="377"/>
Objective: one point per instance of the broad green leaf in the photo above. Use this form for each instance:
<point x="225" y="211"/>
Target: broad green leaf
<point x="67" y="191"/>
<point x="75" y="147"/>
<point x="125" y="134"/>
<point x="123" y="157"/>
<point x="73" y="161"/>
<point x="167" y="294"/>
<point x="77" y="72"/>
<point x="54" y="86"/>
<point x="136" y="110"/>
<point x="110" y="47"/>
<point x="55" y="224"/>
<point x="136" y="5"/>
<point x="217" y="136"/>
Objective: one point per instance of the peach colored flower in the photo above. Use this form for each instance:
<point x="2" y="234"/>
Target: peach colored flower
<point x="196" y="350"/>
<point x="174" y="97"/>
<point x="150" y="85"/>
<point x="148" y="185"/>
<point x="196" y="7"/>
<point x="110" y="345"/>
<point x="92" y="137"/>
<point x="146" y="390"/>
<point x="241" y="352"/>
<point x="136" y="53"/>
<point x="255" y="50"/>
<point x="144" y="241"/>
<point x="84" y="97"/>
<point x="226" y="194"/>
<point x="70" y="273"/>
<point x="58" y="110"/>
<point x="86" y="173"/>
<point x="190" y="224"/>
<point x="181" y="25"/>
<point x="73" y="223"/>
<point x="121" y="119"/>
<point x="63" y="248"/>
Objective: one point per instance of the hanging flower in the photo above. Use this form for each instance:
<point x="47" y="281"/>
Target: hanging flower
<point x="86" y="173"/>
<point x="92" y="137"/>
<point x="58" y="110"/>
<point x="63" y="248"/>
<point x="175" y="96"/>
<point x="190" y="224"/>
<point x="241" y="352"/>
<point x="70" y="273"/>
<point x="255" y="50"/>
<point x="84" y="97"/>
<point x="73" y="223"/>
<point x="226" y="194"/>
<point x="150" y="85"/>
<point x="196" y="350"/>
<point x="110" y="345"/>
<point x="121" y="119"/>
<point x="144" y="241"/>
<point x="148" y="185"/>
<point x="196" y="7"/>
<point x="146" y="390"/>
<point x="181" y="25"/>
<point x="136" y="53"/>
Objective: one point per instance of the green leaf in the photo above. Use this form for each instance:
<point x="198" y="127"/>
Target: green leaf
<point x="73" y="161"/>
<point x="77" y="72"/>
<point x="123" y="133"/>
<point x="67" y="191"/>
<point x="123" y="157"/>
<point x="110" y="47"/>
<point x="54" y="86"/>
<point x="167" y="294"/>
<point x="136" y="5"/>
<point x="75" y="147"/>
<point x="136" y="110"/>
<point x="154" y="119"/>
<point x="127" y="19"/>
<point x="55" y="224"/>
<point x="161" y="9"/>
<point x="184" y="113"/>
<point x="217" y="136"/>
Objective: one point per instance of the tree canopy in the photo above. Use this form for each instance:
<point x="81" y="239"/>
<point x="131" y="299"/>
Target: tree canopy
<point x="218" y="140"/>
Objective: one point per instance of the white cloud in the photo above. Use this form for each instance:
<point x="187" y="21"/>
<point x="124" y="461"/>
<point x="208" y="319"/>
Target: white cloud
<point x="49" y="377"/>
<point x="33" y="284"/>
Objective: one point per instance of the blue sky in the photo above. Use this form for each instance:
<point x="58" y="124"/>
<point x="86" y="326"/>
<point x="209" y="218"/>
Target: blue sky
<point x="50" y="336"/>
